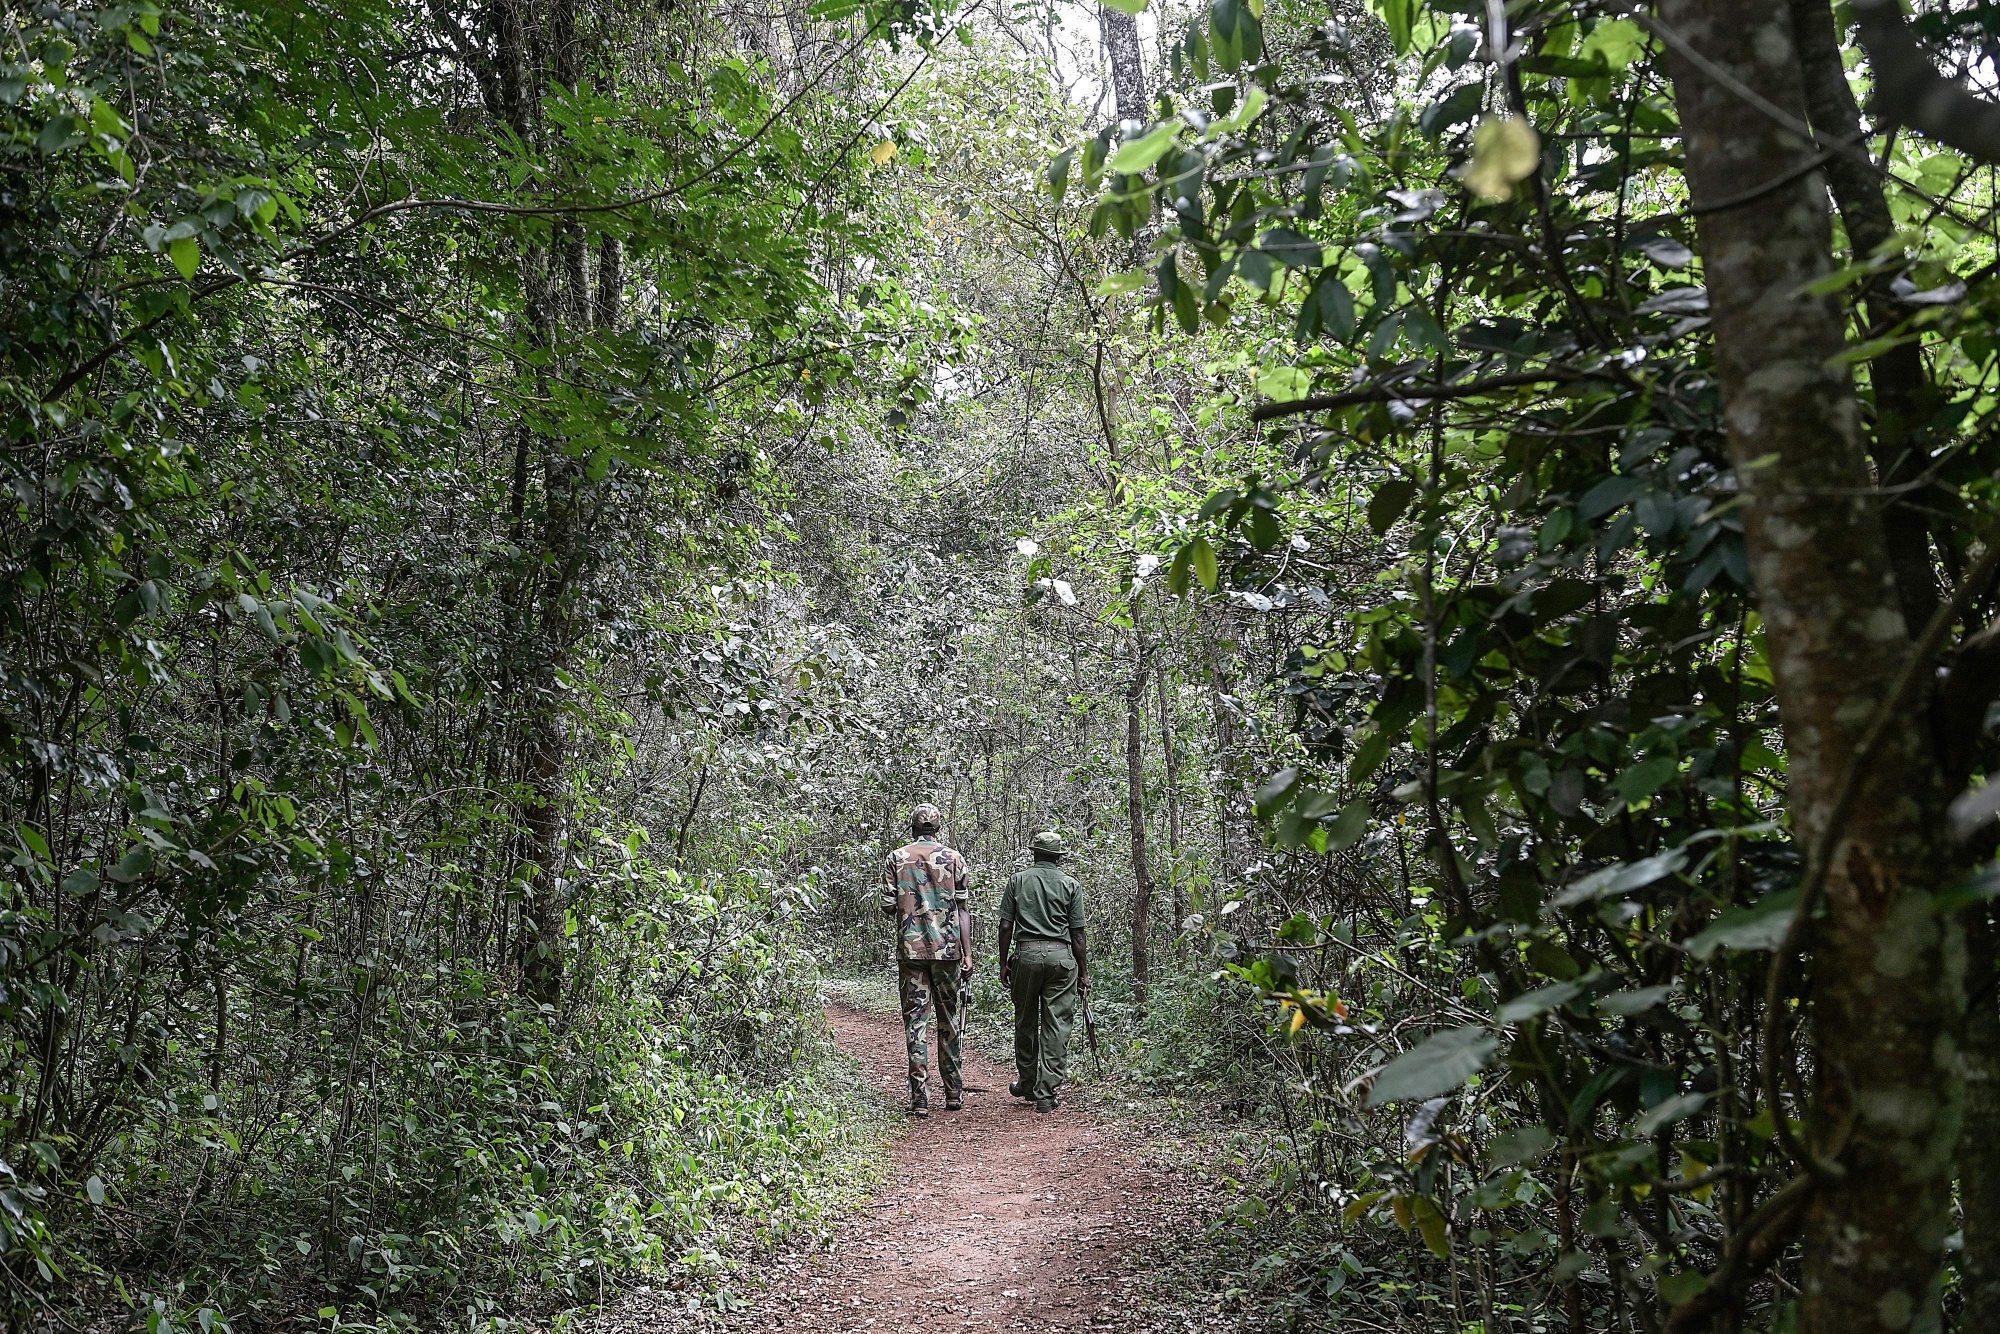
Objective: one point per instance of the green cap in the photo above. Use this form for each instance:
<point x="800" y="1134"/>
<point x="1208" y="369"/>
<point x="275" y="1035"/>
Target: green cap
<point x="1048" y="841"/>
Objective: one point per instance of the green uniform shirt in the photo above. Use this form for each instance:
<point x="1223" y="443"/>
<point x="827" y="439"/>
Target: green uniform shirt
<point x="1042" y="901"/>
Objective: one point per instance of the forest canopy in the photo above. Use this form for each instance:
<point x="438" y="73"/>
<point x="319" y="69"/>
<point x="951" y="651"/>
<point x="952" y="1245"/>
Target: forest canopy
<point x="1475" y="519"/>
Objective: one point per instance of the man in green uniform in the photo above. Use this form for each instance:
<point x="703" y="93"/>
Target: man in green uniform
<point x="1047" y="971"/>
<point x="927" y="896"/>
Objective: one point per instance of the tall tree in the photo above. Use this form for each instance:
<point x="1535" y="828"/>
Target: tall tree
<point x="1864" y="788"/>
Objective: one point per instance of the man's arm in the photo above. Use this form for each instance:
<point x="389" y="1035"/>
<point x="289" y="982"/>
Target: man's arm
<point x="887" y="897"/>
<point x="1076" y="944"/>
<point x="1006" y="956"/>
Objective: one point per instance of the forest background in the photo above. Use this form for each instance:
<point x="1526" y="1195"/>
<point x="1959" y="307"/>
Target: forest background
<point x="1474" y="519"/>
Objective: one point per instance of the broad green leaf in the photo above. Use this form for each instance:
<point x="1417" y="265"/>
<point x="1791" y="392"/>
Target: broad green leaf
<point x="186" y="255"/>
<point x="1677" y="1108"/>
<point x="1135" y="155"/>
<point x="1133" y="7"/>
<point x="1202" y="559"/>
<point x="1238" y="120"/>
<point x="1282" y="384"/>
<point x="1390" y="500"/>
<point x="1438" y="1065"/>
<point x="1290" y="248"/>
<point x="1531" y="1004"/>
<point x="1352" y="823"/>
<point x="1620" y="878"/>
<point x="1515" y="1147"/>
<point x="1277" y="790"/>
<point x="1505" y="152"/>
<point x="1057" y="175"/>
<point x="1761" y="926"/>
<point x="1432" y="1227"/>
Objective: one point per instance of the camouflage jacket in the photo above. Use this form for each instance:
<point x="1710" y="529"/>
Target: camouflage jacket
<point x="925" y="886"/>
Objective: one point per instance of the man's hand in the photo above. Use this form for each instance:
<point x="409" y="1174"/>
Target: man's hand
<point x="1083" y="984"/>
<point x="1006" y="974"/>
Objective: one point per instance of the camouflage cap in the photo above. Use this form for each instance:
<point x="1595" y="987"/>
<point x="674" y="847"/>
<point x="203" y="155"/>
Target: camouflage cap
<point x="926" y="816"/>
<point x="1048" y="841"/>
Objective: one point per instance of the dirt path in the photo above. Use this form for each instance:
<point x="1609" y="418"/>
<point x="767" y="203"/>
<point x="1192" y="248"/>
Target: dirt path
<point x="995" y="1218"/>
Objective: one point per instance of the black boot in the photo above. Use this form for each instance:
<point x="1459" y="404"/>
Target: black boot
<point x="954" y="1095"/>
<point x="1019" y="1089"/>
<point x="920" y="1105"/>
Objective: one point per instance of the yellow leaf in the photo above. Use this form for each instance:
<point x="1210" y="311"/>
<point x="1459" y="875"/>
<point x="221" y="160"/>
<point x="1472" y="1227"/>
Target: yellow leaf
<point x="1505" y="151"/>
<point x="882" y="152"/>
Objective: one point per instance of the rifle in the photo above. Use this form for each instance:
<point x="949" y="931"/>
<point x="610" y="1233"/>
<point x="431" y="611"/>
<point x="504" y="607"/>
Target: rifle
<point x="1090" y="1032"/>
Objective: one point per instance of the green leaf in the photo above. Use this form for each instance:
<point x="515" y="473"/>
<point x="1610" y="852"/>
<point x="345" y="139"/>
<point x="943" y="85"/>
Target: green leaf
<point x="94" y="1188"/>
<point x="1283" y="384"/>
<point x="1348" y="828"/>
<point x="1761" y="926"/>
<point x="1459" y="106"/>
<point x="1202" y="558"/>
<point x="1265" y="530"/>
<point x="1677" y="1108"/>
<point x="132" y="865"/>
<point x="1520" y="1146"/>
<point x="1277" y="790"/>
<point x="1401" y="18"/>
<point x="1682" y="1288"/>
<point x="1621" y="878"/>
<point x="1057" y="174"/>
<point x="1133" y="7"/>
<point x="1530" y="1004"/>
<point x="1135" y="155"/>
<point x="1438" y="1065"/>
<point x="1336" y="306"/>
<point x="1290" y="248"/>
<point x="1388" y="503"/>
<point x="186" y="255"/>
<point x="1432" y="1227"/>
<point x="1645" y="778"/>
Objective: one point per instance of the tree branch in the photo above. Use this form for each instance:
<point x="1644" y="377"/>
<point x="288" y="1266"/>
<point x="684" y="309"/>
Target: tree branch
<point x="1380" y="393"/>
<point x="1909" y="89"/>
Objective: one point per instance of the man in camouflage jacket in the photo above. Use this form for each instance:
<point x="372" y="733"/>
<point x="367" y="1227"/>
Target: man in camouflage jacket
<point x="927" y="895"/>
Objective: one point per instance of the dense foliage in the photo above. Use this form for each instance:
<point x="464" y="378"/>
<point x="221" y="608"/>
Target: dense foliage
<point x="1467" y="515"/>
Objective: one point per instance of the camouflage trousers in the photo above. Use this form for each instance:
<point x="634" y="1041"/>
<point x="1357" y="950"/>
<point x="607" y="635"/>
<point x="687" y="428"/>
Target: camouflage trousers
<point x="930" y="996"/>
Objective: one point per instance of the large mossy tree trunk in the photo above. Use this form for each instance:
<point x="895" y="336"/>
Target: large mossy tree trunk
<point x="1886" y="1000"/>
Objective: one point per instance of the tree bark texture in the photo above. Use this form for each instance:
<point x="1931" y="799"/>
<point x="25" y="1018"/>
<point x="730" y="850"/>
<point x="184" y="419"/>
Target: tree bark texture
<point x="1135" y="812"/>
<point x="1173" y="775"/>
<point x="1120" y="34"/>
<point x="1979" y="1152"/>
<point x="1887" y="971"/>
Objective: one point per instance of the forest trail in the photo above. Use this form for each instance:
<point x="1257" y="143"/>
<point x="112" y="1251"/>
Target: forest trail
<point x="995" y="1218"/>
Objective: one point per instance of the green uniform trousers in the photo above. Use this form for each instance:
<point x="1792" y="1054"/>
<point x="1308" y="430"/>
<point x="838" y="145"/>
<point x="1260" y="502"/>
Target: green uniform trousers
<point x="930" y="996"/>
<point x="1045" y="1004"/>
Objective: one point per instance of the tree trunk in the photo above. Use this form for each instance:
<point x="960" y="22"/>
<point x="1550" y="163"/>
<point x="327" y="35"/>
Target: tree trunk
<point x="1903" y="396"/>
<point x="1120" y="33"/>
<point x="1886" y="978"/>
<point x="542" y="945"/>
<point x="1173" y="774"/>
<point x="1135" y="812"/>
<point x="1979" y="1152"/>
